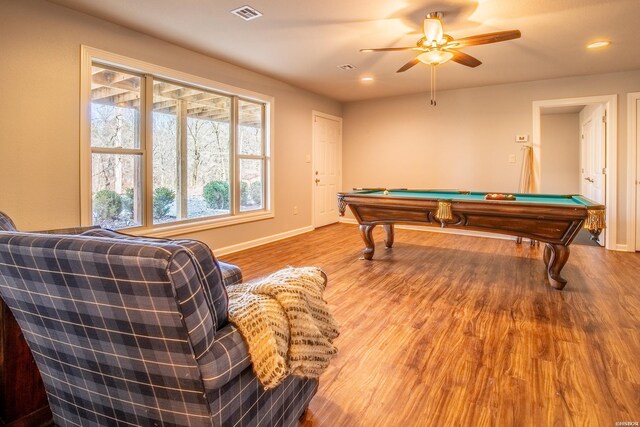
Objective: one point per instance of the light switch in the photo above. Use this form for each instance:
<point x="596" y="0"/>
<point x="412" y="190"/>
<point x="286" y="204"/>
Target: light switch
<point x="512" y="158"/>
<point x="307" y="159"/>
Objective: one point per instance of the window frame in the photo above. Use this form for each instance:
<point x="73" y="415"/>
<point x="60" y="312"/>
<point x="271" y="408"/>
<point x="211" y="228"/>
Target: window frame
<point x="148" y="72"/>
<point x="237" y="156"/>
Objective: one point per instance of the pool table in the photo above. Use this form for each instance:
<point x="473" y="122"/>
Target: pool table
<point x="552" y="219"/>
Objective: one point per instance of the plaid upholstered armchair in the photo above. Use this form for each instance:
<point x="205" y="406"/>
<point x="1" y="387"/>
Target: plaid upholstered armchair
<point x="134" y="331"/>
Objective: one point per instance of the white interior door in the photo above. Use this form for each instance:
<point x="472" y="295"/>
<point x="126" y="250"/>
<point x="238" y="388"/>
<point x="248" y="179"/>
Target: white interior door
<point x="592" y="157"/>
<point x="327" y="159"/>
<point x="586" y="158"/>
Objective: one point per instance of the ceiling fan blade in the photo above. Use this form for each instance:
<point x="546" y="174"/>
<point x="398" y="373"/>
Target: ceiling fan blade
<point x="408" y="65"/>
<point x="387" y="49"/>
<point x="487" y="38"/>
<point x="464" y="59"/>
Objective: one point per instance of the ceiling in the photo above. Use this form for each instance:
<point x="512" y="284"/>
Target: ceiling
<point x="303" y="42"/>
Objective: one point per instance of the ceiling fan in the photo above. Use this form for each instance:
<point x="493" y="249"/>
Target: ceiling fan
<point x="435" y="47"/>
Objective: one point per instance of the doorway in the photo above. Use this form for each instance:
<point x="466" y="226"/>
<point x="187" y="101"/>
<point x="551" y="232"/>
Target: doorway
<point x="633" y="167"/>
<point x="574" y="151"/>
<point x="327" y="167"/>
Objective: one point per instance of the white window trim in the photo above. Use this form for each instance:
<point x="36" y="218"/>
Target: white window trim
<point x="88" y="56"/>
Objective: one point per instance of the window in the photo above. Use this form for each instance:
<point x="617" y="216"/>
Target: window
<point x="251" y="155"/>
<point x="172" y="152"/>
<point x="191" y="152"/>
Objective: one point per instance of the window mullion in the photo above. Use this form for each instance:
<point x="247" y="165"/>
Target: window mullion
<point x="117" y="150"/>
<point x="147" y="157"/>
<point x="263" y="134"/>
<point x="250" y="156"/>
<point x="234" y="175"/>
<point x="181" y="112"/>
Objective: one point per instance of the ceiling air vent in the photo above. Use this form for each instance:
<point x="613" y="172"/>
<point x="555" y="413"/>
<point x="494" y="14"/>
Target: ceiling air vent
<point x="347" y="67"/>
<point x="247" y="13"/>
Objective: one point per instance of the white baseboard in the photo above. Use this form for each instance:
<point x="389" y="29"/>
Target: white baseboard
<point x="261" y="241"/>
<point x="457" y="231"/>
<point x="344" y="220"/>
<point x="623" y="248"/>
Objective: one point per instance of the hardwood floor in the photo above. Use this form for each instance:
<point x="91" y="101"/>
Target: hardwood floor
<point x="447" y="330"/>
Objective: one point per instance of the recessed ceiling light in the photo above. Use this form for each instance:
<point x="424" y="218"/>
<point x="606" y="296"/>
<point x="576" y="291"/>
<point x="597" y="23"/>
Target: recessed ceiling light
<point x="366" y="50"/>
<point x="598" y="44"/>
<point x="366" y="79"/>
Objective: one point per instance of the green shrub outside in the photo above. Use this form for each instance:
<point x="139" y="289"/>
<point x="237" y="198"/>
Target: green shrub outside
<point x="255" y="190"/>
<point x="163" y="198"/>
<point x="216" y="194"/>
<point x="107" y="205"/>
<point x="245" y="198"/>
<point x="127" y="200"/>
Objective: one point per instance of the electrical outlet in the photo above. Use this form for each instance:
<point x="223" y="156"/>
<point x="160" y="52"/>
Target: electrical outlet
<point x="295" y="210"/>
<point x="512" y="158"/>
<point x="522" y="138"/>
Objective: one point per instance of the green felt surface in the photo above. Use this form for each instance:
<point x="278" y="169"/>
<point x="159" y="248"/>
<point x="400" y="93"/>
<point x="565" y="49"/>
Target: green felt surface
<point x="477" y="196"/>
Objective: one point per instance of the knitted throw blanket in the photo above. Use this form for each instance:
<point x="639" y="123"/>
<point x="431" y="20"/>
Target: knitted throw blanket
<point x="285" y="323"/>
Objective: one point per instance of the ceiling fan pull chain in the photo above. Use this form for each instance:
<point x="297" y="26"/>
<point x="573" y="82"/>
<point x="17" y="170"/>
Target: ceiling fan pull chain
<point x="430" y="87"/>
<point x="431" y="83"/>
<point x="434" y="84"/>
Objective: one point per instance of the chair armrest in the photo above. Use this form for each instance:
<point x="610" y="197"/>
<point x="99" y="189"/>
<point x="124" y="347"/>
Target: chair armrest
<point x="70" y="230"/>
<point x="231" y="274"/>
<point x="226" y="359"/>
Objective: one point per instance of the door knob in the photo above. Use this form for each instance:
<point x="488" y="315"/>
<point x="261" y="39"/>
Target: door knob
<point x="589" y="179"/>
<point x="317" y="180"/>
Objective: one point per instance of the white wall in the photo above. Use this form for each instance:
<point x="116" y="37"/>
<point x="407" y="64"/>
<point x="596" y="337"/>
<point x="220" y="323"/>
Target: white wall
<point x="465" y="141"/>
<point x="560" y="159"/>
<point x="39" y="117"/>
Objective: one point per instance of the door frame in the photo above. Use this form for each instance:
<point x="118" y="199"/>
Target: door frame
<point x="315" y="114"/>
<point x="610" y="103"/>
<point x="633" y="160"/>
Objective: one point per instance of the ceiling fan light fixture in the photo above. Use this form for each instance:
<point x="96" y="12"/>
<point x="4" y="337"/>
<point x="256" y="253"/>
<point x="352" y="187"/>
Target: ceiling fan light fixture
<point x="436" y="47"/>
<point x="435" y="57"/>
<point x="432" y="27"/>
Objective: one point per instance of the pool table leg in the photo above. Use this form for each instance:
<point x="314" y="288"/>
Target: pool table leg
<point x="556" y="257"/>
<point x="388" y="228"/>
<point x="547" y="255"/>
<point x="366" y="231"/>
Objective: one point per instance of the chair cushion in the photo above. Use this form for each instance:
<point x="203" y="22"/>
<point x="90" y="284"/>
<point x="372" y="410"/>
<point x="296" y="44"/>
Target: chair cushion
<point x="209" y="269"/>
<point x="231" y="273"/>
<point x="6" y="224"/>
<point x="226" y="359"/>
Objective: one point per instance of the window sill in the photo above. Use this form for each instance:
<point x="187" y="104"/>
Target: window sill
<point x="170" y="230"/>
